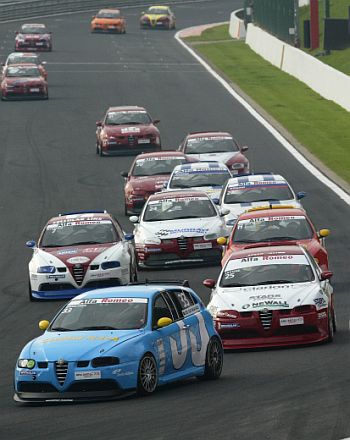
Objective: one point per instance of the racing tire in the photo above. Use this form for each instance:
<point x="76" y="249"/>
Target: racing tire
<point x="147" y="376"/>
<point x="330" y="326"/>
<point x="214" y="359"/>
<point x="133" y="273"/>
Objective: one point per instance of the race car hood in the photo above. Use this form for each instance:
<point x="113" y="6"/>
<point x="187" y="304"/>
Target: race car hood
<point x="272" y="297"/>
<point x="72" y="346"/>
<point x="15" y="81"/>
<point x="127" y="130"/>
<point x="219" y="157"/>
<point x="183" y="227"/>
<point x="75" y="254"/>
<point x="98" y="20"/>
<point x="149" y="183"/>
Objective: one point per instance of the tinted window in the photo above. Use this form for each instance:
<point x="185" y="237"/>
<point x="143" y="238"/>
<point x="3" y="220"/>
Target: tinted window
<point x="258" y="193"/>
<point x="127" y="117"/>
<point x="210" y="144"/>
<point x="196" y="179"/>
<point x="181" y="208"/>
<point x="161" y="310"/>
<point x="156" y="166"/>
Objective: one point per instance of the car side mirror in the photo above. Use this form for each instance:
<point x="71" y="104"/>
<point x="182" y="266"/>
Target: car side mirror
<point x="215" y="201"/>
<point x="43" y="325"/>
<point x="124" y="174"/>
<point x="165" y="184"/>
<point x="99" y="123"/>
<point x="164" y="322"/>
<point x="224" y="211"/>
<point x="244" y="148"/>
<point x="129" y="237"/>
<point x="326" y="275"/>
<point x="134" y="219"/>
<point x="210" y="283"/>
<point x="31" y="244"/>
<point x="301" y="195"/>
<point x="323" y="233"/>
<point x="156" y="121"/>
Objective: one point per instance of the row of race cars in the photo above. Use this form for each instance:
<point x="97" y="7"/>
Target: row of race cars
<point x="24" y="76"/>
<point x="197" y="206"/>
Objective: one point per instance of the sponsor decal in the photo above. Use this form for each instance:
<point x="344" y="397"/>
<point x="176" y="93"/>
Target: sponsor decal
<point x="298" y="320"/>
<point x="79" y="338"/>
<point x="76" y="302"/>
<point x="94" y="250"/>
<point x="78" y="260"/>
<point x="163" y="232"/>
<point x="270" y="219"/>
<point x="267" y="304"/>
<point x="119" y="372"/>
<point x="67" y="252"/>
<point x="268" y="296"/>
<point x="82" y="375"/>
<point x="55" y="277"/>
<point x="231" y="325"/>
<point x="76" y="222"/>
<point x="152" y="159"/>
<point x="130" y="130"/>
<point x="320" y="303"/>
<point x="202" y="246"/>
<point x="208" y="138"/>
<point x="190" y="310"/>
<point x="31" y="373"/>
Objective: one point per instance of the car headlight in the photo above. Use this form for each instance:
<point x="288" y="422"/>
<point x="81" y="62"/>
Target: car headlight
<point x="237" y="166"/>
<point x="110" y="265"/>
<point x="26" y="363"/>
<point x="211" y="236"/>
<point x="46" y="269"/>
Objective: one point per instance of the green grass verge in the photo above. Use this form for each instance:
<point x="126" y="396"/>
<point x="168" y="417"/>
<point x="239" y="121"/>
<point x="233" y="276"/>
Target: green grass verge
<point x="320" y="125"/>
<point x="339" y="59"/>
<point x="217" y="33"/>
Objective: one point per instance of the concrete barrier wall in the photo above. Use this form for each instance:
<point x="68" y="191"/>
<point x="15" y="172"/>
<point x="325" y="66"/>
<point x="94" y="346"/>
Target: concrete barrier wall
<point x="323" y="79"/>
<point x="237" y="28"/>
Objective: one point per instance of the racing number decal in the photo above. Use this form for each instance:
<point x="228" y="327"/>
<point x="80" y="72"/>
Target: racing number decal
<point x="183" y="299"/>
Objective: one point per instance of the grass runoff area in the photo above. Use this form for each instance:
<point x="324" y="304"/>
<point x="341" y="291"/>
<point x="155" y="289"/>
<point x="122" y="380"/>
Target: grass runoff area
<point x="322" y="126"/>
<point x="339" y="59"/>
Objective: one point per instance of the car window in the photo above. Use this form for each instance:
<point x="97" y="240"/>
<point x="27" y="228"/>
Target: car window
<point x="161" y="310"/>
<point x="184" y="301"/>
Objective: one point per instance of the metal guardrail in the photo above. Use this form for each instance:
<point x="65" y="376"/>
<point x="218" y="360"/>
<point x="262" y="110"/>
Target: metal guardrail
<point x="33" y="8"/>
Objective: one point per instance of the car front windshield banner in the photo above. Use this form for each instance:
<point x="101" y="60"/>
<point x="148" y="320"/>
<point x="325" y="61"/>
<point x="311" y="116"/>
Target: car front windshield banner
<point x="250" y="192"/>
<point x="102" y="314"/>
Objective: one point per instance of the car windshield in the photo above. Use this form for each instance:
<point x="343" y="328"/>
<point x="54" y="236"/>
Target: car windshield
<point x="22" y="71"/>
<point x="127" y="117"/>
<point x="275" y="228"/>
<point x="104" y="14"/>
<point x="258" y="192"/>
<point x="158" y="11"/>
<point x="178" y="208"/>
<point x="211" y="144"/>
<point x="199" y="178"/>
<point x="254" y="271"/>
<point x="70" y="233"/>
<point x="33" y="30"/>
<point x="153" y="166"/>
<point x="102" y="314"/>
<point x="22" y="59"/>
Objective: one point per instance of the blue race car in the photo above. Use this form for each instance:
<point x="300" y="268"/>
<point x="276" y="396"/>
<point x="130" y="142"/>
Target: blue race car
<point x="108" y="341"/>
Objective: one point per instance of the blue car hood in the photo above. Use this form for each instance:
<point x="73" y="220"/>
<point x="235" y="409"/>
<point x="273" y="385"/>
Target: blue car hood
<point x="72" y="346"/>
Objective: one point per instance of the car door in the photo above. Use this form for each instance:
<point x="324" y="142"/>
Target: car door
<point x="171" y="342"/>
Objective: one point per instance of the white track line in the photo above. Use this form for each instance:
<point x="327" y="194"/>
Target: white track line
<point x="287" y="145"/>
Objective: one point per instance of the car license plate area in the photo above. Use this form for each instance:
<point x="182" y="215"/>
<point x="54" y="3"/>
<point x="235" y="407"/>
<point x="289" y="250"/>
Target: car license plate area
<point x="84" y="375"/>
<point x="144" y="141"/>
<point x="202" y="246"/>
<point x="34" y="90"/>
<point x="298" y="320"/>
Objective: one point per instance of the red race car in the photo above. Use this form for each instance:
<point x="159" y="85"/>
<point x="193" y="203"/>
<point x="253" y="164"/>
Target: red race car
<point x="218" y="146"/>
<point x="26" y="58"/>
<point x="23" y="81"/>
<point x="127" y="130"/>
<point x="147" y="175"/>
<point x="275" y="226"/>
<point x="33" y="36"/>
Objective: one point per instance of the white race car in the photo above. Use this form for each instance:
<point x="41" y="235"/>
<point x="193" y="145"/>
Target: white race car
<point x="178" y="228"/>
<point x="272" y="296"/>
<point x="204" y="176"/>
<point x="77" y="252"/>
<point x="257" y="190"/>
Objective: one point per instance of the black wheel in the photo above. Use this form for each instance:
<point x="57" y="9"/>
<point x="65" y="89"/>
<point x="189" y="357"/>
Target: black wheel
<point x="334" y="320"/>
<point x="214" y="359"/>
<point x="133" y="273"/>
<point x="147" y="378"/>
<point x="331" y="325"/>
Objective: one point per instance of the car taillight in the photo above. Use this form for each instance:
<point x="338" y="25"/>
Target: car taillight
<point x="228" y="314"/>
<point x="305" y="309"/>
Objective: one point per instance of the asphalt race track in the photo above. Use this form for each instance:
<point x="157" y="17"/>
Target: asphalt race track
<point x="48" y="165"/>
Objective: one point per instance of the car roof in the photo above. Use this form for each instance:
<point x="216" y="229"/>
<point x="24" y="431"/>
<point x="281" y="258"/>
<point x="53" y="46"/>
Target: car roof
<point x="272" y="212"/>
<point x="256" y="178"/>
<point x="125" y="108"/>
<point x="136" y="291"/>
<point x="39" y="25"/>
<point x="23" y="54"/>
<point x="207" y="166"/>
<point x="267" y="251"/>
<point x="109" y="10"/>
<point x="159" y="7"/>
<point x="197" y="134"/>
<point x="154" y="154"/>
<point x="80" y="216"/>
<point x="178" y="195"/>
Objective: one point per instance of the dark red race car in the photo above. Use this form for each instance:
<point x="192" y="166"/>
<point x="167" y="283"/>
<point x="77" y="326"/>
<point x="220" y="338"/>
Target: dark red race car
<point x="219" y="146"/>
<point x="26" y="58"/>
<point x="23" y="81"/>
<point x="276" y="226"/>
<point x="127" y="130"/>
<point x="147" y="175"/>
<point x="33" y="36"/>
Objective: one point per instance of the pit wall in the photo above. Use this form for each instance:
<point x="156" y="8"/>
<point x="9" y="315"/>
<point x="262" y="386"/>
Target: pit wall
<point x="323" y="79"/>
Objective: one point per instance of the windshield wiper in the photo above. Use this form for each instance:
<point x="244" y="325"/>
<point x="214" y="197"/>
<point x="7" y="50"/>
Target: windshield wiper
<point x="96" y="327"/>
<point x="245" y="241"/>
<point x="278" y="238"/>
<point x="273" y="282"/>
<point x="84" y="242"/>
<point x="61" y="329"/>
<point x="236" y="285"/>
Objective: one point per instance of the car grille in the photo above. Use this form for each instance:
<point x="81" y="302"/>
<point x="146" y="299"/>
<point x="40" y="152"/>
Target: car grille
<point x="266" y="318"/>
<point x="132" y="139"/>
<point x="61" y="371"/>
<point x="78" y="273"/>
<point x="182" y="243"/>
